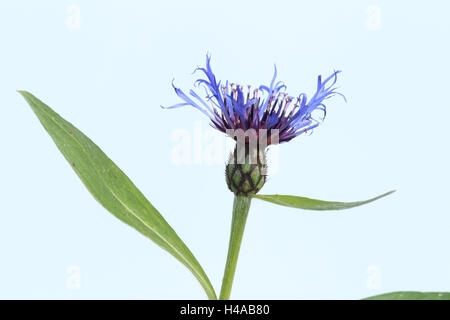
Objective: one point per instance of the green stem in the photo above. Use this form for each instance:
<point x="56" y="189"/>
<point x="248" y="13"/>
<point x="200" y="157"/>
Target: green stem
<point x="241" y="206"/>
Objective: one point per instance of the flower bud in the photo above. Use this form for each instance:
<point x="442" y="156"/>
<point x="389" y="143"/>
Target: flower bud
<point x="246" y="170"/>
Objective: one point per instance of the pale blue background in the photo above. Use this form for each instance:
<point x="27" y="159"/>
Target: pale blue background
<point x="109" y="78"/>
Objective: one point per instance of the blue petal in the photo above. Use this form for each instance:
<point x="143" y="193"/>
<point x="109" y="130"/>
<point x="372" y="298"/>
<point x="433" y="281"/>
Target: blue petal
<point x="188" y="100"/>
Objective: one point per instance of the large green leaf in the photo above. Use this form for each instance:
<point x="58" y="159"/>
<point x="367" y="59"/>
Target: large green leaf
<point x="313" y="204"/>
<point x="412" y="295"/>
<point x="113" y="189"/>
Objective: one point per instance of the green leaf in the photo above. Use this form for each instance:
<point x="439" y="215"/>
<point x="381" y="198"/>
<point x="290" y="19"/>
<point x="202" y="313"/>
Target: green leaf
<point x="313" y="204"/>
<point x="412" y="295"/>
<point x="113" y="189"/>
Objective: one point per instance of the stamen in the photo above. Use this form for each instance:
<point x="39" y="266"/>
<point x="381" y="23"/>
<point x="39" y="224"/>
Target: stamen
<point x="288" y="101"/>
<point x="296" y="105"/>
<point x="224" y="91"/>
<point x="255" y="93"/>
<point x="277" y="99"/>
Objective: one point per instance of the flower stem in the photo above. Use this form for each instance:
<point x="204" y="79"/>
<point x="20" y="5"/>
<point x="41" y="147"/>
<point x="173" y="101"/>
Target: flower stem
<point x="241" y="206"/>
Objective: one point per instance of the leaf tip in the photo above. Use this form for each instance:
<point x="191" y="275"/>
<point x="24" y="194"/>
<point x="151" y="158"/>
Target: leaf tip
<point x="23" y="93"/>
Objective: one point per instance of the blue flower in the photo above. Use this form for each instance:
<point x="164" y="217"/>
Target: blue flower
<point x="265" y="107"/>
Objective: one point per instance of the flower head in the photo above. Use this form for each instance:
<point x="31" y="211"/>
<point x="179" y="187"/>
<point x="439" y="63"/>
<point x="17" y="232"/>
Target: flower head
<point x="230" y="107"/>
